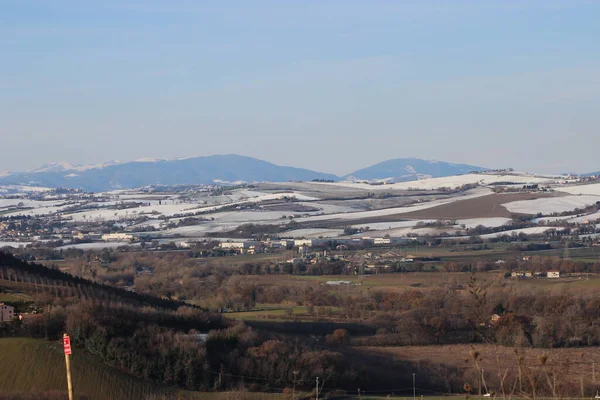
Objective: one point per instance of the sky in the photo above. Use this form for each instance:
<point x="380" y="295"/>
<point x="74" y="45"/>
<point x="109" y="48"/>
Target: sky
<point x="329" y="85"/>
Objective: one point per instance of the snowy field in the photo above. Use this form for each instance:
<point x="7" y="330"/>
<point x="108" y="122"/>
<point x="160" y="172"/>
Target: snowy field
<point x="16" y="189"/>
<point x="536" y="230"/>
<point x="173" y="207"/>
<point x="471" y="194"/>
<point x="569" y="218"/>
<point x="448" y="182"/>
<point x="488" y="222"/>
<point x="405" y="232"/>
<point x="13" y="244"/>
<point x="5" y="203"/>
<point x="312" y="233"/>
<point x="96" y="245"/>
<point x="551" y="204"/>
<point x="333" y="206"/>
<point x="592" y="189"/>
<point x="392" y="224"/>
<point x="468" y="223"/>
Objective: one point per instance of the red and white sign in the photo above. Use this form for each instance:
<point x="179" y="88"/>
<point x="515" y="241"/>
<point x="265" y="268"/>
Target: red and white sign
<point x="67" y="344"/>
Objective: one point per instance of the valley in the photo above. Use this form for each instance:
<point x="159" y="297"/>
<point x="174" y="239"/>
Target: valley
<point x="336" y="278"/>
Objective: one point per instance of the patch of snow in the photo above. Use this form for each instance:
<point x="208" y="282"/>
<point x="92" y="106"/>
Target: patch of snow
<point x="493" y="222"/>
<point x="96" y="245"/>
<point x="312" y="233"/>
<point x="149" y="160"/>
<point x="536" y="230"/>
<point x="404" y="232"/>
<point x="222" y="182"/>
<point x="569" y="218"/>
<point x="469" y="223"/>
<point x="447" y="182"/>
<point x="57" y="166"/>
<point x="16" y="189"/>
<point x="390" y="225"/>
<point x="591" y="189"/>
<point x="60" y="166"/>
<point x="15" y="245"/>
<point x="551" y="205"/>
<point x="479" y="192"/>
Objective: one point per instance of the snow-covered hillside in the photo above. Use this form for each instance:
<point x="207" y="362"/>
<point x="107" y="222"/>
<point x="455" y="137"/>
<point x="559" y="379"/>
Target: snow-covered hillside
<point x="452" y="182"/>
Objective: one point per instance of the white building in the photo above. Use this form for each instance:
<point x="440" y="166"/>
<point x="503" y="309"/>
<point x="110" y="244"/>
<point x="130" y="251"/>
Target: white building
<point x="303" y="242"/>
<point x="117" y="237"/>
<point x="339" y="283"/>
<point x="382" y="241"/>
<point x="7" y="313"/>
<point x="286" y="242"/>
<point x="238" y="245"/>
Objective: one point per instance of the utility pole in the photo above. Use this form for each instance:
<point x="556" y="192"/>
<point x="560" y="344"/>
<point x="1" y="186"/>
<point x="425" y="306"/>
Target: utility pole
<point x="414" y="388"/>
<point x="294" y="388"/>
<point x="317" y="398"/>
<point x="594" y="371"/>
<point x="67" y="350"/>
<point x="483" y="381"/>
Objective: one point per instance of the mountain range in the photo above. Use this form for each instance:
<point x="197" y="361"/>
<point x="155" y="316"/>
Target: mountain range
<point x="410" y="169"/>
<point x="214" y="170"/>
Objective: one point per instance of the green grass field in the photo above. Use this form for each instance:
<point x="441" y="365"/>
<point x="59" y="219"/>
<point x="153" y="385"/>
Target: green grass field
<point x="13" y="297"/>
<point x="279" y="313"/>
<point x="37" y="366"/>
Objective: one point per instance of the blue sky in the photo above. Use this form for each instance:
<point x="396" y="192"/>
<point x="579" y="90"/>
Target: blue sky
<point x="328" y="85"/>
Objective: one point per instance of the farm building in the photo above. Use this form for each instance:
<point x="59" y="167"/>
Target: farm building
<point x="117" y="237"/>
<point x="339" y="283"/>
<point x="7" y="313"/>
<point x="303" y="242"/>
<point x="238" y="245"/>
<point x="382" y="241"/>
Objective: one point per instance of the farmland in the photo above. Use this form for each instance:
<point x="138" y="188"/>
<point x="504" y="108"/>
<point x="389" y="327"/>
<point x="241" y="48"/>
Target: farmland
<point x="481" y="207"/>
<point x="263" y="287"/>
<point x="38" y="367"/>
<point x="180" y="216"/>
<point x="574" y="364"/>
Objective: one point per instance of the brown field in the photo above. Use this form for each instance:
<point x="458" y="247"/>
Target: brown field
<point x="573" y="363"/>
<point x="480" y="207"/>
<point x="589" y="283"/>
<point x="391" y="281"/>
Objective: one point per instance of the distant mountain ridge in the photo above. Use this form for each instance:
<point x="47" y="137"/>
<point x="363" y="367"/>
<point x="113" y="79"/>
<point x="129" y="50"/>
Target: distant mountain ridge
<point x="218" y="169"/>
<point x="410" y="169"/>
<point x="197" y="170"/>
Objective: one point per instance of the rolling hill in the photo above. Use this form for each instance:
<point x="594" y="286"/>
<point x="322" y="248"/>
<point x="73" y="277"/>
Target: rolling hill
<point x="198" y="170"/>
<point x="38" y="366"/>
<point x="219" y="169"/>
<point x="410" y="169"/>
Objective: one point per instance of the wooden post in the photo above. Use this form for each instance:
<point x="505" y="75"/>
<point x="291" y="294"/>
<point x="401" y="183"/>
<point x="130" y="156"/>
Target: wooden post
<point x="67" y="349"/>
